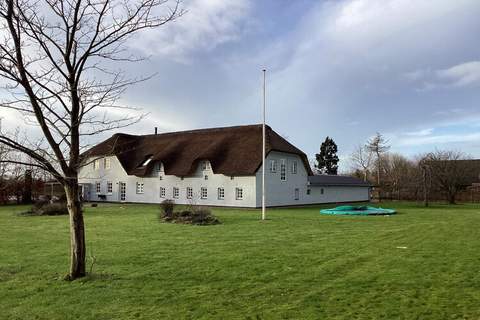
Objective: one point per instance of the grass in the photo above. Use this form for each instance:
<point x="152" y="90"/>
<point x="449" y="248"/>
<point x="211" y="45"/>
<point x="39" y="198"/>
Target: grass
<point x="419" y="264"/>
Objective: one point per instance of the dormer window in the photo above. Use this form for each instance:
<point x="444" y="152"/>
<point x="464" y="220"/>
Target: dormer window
<point x="205" y="165"/>
<point x="158" y="167"/>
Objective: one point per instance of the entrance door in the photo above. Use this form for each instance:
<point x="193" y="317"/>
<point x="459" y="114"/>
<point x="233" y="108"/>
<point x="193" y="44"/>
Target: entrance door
<point x="123" y="191"/>
<point x="297" y="194"/>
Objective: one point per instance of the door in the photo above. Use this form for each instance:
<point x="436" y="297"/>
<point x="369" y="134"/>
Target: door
<point x="297" y="194"/>
<point x="123" y="191"/>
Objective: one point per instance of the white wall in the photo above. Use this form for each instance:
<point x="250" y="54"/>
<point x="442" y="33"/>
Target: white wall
<point x="279" y="193"/>
<point x="152" y="185"/>
<point x="282" y="193"/>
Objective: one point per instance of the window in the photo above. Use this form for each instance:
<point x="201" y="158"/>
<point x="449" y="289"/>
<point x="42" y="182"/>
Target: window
<point x="203" y="193"/>
<point x="176" y="192"/>
<point x="189" y="193"/>
<point x="98" y="187"/>
<point x="109" y="187"/>
<point x="96" y="164"/>
<point x="162" y="192"/>
<point x="206" y="177"/>
<point x="232" y="177"/>
<point x="321" y="191"/>
<point x="205" y="165"/>
<point x="308" y="191"/>
<point x="239" y="193"/>
<point x="273" y="166"/>
<point x="294" y="167"/>
<point x="123" y="191"/>
<point x="139" y="187"/>
<point x="106" y="163"/>
<point x="297" y="193"/>
<point x="221" y="193"/>
<point x="158" y="167"/>
<point x="283" y="170"/>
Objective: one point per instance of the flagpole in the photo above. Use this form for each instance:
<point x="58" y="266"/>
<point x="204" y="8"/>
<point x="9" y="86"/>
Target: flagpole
<point x="263" y="146"/>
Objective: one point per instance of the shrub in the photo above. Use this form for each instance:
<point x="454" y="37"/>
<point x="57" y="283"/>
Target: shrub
<point x="54" y="209"/>
<point x="167" y="207"/>
<point x="204" y="216"/>
<point x="43" y="207"/>
<point x="197" y="216"/>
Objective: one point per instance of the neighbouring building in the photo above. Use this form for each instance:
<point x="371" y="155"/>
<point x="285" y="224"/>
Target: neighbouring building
<point x="217" y="166"/>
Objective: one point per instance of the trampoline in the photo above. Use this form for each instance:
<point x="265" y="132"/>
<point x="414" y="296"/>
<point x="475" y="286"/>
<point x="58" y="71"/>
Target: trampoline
<point x="358" y="210"/>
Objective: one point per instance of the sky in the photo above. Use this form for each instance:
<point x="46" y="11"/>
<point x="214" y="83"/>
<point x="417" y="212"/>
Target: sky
<point x="346" y="69"/>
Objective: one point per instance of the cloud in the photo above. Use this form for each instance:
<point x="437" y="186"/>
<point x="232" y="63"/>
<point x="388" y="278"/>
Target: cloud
<point x="206" y="25"/>
<point x="465" y="74"/>
<point x="461" y="75"/>
<point x="420" y="133"/>
<point x="439" y="139"/>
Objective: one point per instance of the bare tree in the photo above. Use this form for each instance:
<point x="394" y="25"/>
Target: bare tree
<point x="448" y="171"/>
<point x="362" y="160"/>
<point x="398" y="172"/>
<point x="56" y="57"/>
<point x="424" y="165"/>
<point x="378" y="145"/>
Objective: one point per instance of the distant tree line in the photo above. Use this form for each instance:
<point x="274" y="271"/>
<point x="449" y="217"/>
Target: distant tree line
<point x="441" y="174"/>
<point x="19" y="183"/>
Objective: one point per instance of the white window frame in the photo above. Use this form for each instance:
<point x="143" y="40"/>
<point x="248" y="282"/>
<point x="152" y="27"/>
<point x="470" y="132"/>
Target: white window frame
<point x="205" y="165"/>
<point x="158" y="167"/>
<point x="107" y="163"/>
<point x="109" y="187"/>
<point x="189" y="193"/>
<point x="96" y="164"/>
<point x="294" y="167"/>
<point x="98" y="187"/>
<point x="221" y="193"/>
<point x="273" y="166"/>
<point x="176" y="192"/>
<point x="122" y="195"/>
<point x="162" y="192"/>
<point x="283" y="170"/>
<point x="238" y="193"/>
<point x="203" y="193"/>
<point x="140" y="187"/>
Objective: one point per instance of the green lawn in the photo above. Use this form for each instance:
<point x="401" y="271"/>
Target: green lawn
<point x="297" y="265"/>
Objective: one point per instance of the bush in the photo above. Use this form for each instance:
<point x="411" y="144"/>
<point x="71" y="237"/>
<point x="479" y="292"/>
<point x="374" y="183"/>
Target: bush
<point x="43" y="207"/>
<point x="167" y="207"/>
<point x="197" y="216"/>
<point x="54" y="209"/>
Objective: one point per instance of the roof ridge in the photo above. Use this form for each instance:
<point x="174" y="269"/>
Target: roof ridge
<point x="211" y="129"/>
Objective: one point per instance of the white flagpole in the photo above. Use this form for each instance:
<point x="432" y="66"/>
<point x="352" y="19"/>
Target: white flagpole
<point x="263" y="146"/>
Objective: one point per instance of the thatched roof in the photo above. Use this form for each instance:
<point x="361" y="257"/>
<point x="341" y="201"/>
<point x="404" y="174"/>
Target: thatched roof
<point x="232" y="151"/>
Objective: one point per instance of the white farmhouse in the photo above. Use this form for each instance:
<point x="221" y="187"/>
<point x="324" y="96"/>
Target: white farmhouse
<point x="217" y="167"/>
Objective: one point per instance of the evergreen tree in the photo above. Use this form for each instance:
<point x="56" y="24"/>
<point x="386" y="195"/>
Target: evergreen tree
<point x="327" y="159"/>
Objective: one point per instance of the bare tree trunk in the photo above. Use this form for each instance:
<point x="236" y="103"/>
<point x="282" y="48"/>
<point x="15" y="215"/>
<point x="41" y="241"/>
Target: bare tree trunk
<point x="77" y="231"/>
<point x="425" y="188"/>
<point x="451" y="197"/>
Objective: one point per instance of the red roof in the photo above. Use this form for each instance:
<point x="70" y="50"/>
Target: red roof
<point x="232" y="151"/>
